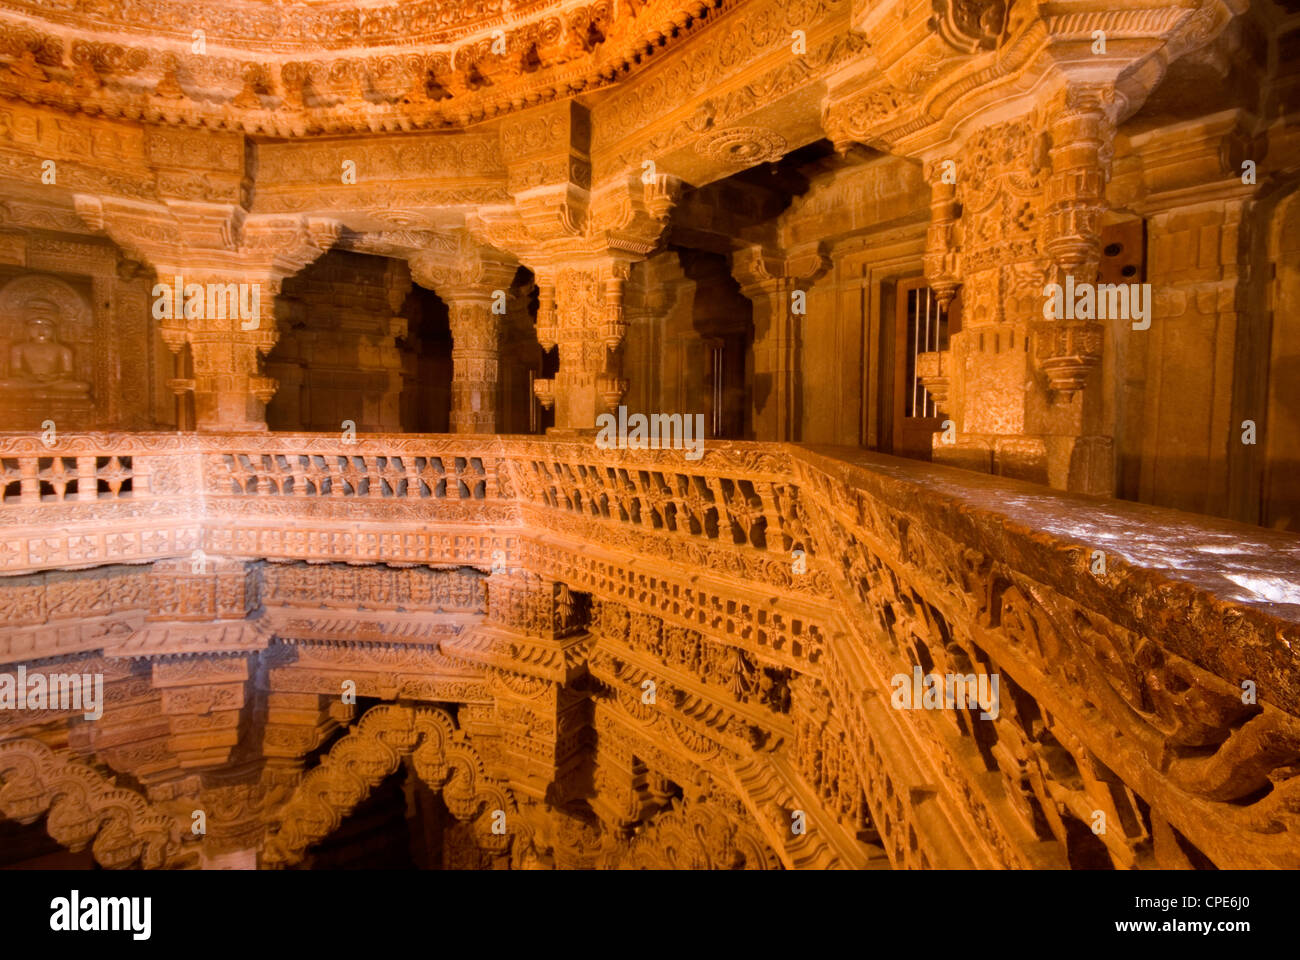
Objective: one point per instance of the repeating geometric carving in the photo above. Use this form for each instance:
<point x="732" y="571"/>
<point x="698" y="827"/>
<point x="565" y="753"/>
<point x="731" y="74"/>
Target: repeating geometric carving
<point x="753" y="660"/>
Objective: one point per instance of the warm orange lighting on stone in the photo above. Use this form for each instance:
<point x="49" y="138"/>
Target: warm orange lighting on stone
<point x="310" y="312"/>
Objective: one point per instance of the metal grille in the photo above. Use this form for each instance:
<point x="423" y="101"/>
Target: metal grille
<point x="927" y="330"/>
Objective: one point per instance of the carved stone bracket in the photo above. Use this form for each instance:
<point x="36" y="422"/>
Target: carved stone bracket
<point x="474" y="281"/>
<point x="218" y="271"/>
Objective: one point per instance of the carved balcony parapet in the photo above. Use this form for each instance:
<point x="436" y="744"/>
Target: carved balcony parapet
<point x="799" y="571"/>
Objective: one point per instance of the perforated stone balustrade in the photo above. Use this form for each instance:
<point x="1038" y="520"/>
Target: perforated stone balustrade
<point x="1147" y="658"/>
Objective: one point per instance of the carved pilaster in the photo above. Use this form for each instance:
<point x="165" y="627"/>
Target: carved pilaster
<point x="770" y="281"/>
<point x="942" y="244"/>
<point x="1082" y="130"/>
<point x="1023" y="202"/>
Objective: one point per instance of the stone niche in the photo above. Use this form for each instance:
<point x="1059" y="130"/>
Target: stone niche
<point x="47" y="352"/>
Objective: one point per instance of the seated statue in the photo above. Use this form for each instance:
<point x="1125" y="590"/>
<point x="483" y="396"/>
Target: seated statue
<point x="41" y="366"/>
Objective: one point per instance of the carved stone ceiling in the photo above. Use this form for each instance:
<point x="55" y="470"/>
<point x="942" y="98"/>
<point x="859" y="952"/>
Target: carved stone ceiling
<point x="264" y="66"/>
<point x="304" y="24"/>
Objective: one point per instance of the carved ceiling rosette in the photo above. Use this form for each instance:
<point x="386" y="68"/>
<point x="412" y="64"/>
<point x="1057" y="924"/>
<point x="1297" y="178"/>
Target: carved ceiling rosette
<point x="742" y="147"/>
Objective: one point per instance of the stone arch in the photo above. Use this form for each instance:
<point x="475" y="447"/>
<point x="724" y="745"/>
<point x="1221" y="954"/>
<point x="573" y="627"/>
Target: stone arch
<point x="84" y="807"/>
<point x="75" y="320"/>
<point x="441" y="754"/>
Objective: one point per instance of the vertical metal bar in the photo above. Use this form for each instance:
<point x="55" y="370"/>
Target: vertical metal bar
<point x="925" y="397"/>
<point x="916" y="349"/>
<point x="532" y="403"/>
<point x="719" y="389"/>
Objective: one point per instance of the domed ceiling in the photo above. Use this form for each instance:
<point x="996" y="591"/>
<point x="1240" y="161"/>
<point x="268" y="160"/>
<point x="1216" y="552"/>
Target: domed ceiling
<point x="284" y="69"/>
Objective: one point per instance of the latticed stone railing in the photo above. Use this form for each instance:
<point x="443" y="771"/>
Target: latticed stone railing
<point x="1149" y="696"/>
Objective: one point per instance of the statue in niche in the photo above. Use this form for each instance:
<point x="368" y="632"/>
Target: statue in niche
<point x="42" y="365"/>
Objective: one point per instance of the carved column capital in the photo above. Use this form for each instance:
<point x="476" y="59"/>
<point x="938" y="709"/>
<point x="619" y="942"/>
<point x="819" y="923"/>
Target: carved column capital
<point x="218" y="270"/>
<point x="470" y="271"/>
<point x="759" y="270"/>
<point x="473" y="280"/>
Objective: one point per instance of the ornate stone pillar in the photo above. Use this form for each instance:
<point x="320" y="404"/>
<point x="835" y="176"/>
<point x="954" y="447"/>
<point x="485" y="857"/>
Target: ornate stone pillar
<point x="580" y="245"/>
<point x="586" y="319"/>
<point x="475" y="365"/>
<point x="533" y="642"/>
<point x="474" y="282"/>
<point x="1023" y="391"/>
<point x="397" y="286"/>
<point x="229" y="391"/>
<point x="218" y="272"/>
